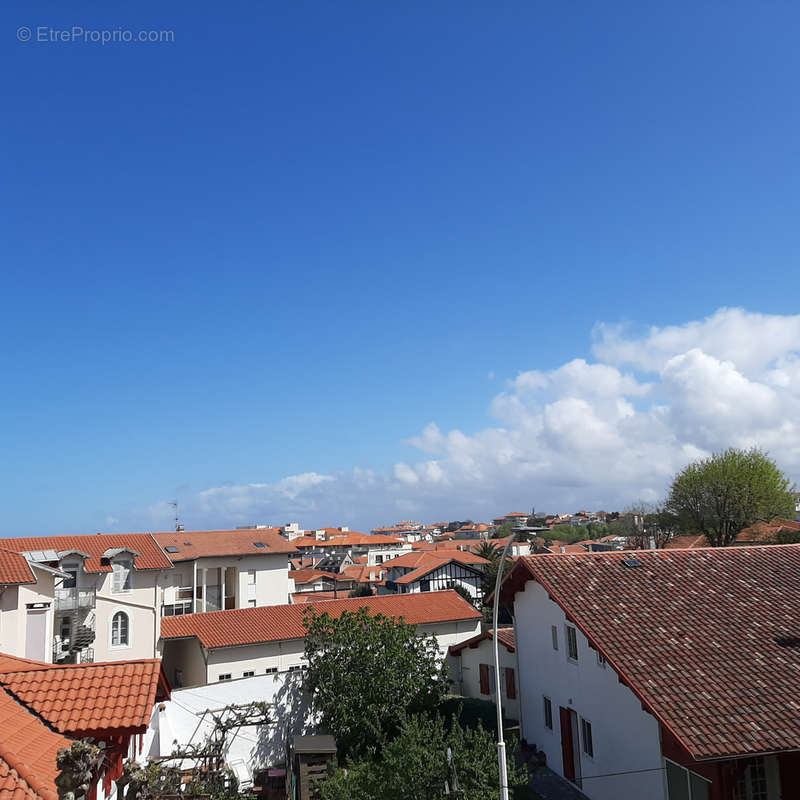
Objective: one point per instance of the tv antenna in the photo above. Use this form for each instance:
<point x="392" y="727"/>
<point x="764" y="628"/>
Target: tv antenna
<point x="174" y="504"/>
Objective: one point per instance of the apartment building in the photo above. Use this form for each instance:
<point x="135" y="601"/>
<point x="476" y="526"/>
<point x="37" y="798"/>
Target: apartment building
<point x="83" y="599"/>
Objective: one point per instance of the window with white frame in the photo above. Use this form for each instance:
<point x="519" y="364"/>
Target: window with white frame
<point x="122" y="576"/>
<point x="251" y="577"/>
<point x="270" y="670"/>
<point x="226" y="676"/>
<point x="586" y="738"/>
<point x="548" y="713"/>
<point x="249" y="674"/>
<point x="120" y="630"/>
<point x="572" y="643"/>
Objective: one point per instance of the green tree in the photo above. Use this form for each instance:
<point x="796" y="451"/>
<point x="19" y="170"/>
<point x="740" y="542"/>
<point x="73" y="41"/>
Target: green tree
<point x="488" y="551"/>
<point x="414" y="766"/>
<point x="363" y="671"/>
<point x="720" y="495"/>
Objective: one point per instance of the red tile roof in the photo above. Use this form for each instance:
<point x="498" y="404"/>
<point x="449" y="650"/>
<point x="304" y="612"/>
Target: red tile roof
<point x="708" y="639"/>
<point x="151" y="556"/>
<point x="361" y="573"/>
<point x="419" y="559"/>
<point x="347" y="540"/>
<point x="691" y="541"/>
<point x="28" y="750"/>
<point x="765" y="532"/>
<point x="309" y="575"/>
<point x="505" y="636"/>
<point x="430" y="565"/>
<point x="14" y="569"/>
<point x="244" y="626"/>
<point x="204" y="544"/>
<point x="89" y="699"/>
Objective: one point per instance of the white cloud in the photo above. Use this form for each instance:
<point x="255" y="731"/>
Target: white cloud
<point x="585" y="434"/>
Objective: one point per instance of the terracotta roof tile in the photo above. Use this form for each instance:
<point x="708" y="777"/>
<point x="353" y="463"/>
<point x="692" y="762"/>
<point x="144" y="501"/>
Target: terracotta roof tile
<point x="708" y="639"/>
<point x="84" y="699"/>
<point x="28" y="750"/>
<point x="504" y="635"/>
<point x="243" y="626"/>
<point x="203" y="544"/>
<point x="150" y="555"/>
<point x="14" y="569"/>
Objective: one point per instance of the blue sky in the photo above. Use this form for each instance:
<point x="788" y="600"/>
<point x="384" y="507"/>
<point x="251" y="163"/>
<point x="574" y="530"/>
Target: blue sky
<point x="290" y="239"/>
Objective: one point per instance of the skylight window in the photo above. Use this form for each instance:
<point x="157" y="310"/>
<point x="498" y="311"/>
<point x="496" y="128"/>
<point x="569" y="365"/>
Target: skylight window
<point x="187" y="544"/>
<point x="259" y="544"/>
<point x="631" y="562"/>
<point x="171" y="549"/>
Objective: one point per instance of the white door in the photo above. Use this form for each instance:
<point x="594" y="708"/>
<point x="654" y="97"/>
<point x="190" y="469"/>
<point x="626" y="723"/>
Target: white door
<point x="36" y="634"/>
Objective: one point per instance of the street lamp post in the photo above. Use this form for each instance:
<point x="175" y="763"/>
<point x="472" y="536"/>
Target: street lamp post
<point x="501" y="745"/>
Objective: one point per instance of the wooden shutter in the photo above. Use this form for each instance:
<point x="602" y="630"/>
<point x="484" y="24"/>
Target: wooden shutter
<point x="511" y="686"/>
<point x="484" y="670"/>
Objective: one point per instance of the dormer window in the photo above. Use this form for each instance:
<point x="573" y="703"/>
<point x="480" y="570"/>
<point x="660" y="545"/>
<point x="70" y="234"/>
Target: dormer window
<point x="121" y="576"/>
<point x="71" y="581"/>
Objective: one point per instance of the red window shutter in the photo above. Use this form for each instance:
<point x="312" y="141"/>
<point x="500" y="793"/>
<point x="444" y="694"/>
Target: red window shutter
<point x="511" y="686"/>
<point x="484" y="678"/>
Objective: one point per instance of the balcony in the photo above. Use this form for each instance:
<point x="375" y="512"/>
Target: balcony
<point x="73" y="599"/>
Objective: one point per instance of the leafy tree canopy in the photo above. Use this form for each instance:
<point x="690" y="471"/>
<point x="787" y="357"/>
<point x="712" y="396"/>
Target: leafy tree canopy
<point x="720" y="495"/>
<point x="363" y="671"/>
<point x="414" y="766"/>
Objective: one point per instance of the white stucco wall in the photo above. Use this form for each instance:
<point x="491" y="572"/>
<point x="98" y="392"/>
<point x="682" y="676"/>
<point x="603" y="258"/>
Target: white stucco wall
<point x="465" y="673"/>
<point x="625" y="737"/>
<point x="140" y="603"/>
<point x="13" y="614"/>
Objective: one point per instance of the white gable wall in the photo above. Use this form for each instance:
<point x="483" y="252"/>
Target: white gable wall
<point x="465" y="672"/>
<point x="625" y="737"/>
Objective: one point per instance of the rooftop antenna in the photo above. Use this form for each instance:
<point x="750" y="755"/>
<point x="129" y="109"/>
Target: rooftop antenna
<point x="178" y="526"/>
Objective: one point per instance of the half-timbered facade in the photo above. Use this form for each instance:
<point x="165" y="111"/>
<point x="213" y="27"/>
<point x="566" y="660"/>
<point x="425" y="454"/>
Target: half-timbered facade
<point x="429" y="572"/>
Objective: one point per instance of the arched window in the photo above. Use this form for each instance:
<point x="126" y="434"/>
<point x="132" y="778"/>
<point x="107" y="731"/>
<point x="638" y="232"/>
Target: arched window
<point x="119" y="630"/>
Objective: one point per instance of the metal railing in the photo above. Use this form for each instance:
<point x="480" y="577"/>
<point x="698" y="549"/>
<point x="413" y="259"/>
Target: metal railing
<point x="74" y="598"/>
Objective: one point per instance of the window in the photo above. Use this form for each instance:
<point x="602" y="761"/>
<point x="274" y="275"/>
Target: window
<point x="71" y="581"/>
<point x="251" y="577"/>
<point x="484" y="674"/>
<point x="249" y="674"/>
<point x="379" y="559"/>
<point x="586" y="738"/>
<point x="119" y="630"/>
<point x="251" y="603"/>
<point x="270" y="670"/>
<point x="425" y="586"/>
<point x="295" y="668"/>
<point x="601" y="659"/>
<point x="511" y="685"/>
<point x="554" y="633"/>
<point x="178" y="678"/>
<point x="572" y="643"/>
<point x="226" y="676"/>
<point x="548" y="713"/>
<point x="685" y="785"/>
<point x="122" y="576"/>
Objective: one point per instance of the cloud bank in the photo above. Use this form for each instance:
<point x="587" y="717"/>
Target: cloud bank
<point x="598" y="433"/>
